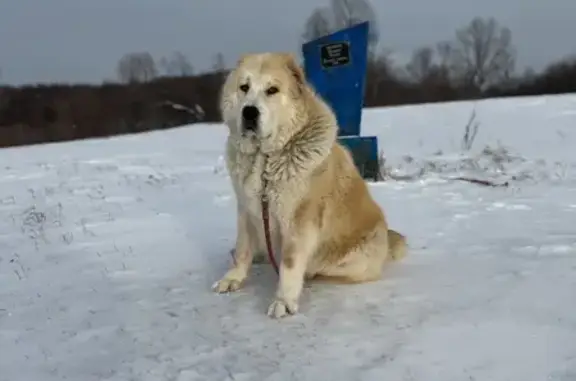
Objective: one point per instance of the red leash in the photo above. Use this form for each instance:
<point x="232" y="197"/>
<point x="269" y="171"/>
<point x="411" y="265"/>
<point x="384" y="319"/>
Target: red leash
<point x="266" y="222"/>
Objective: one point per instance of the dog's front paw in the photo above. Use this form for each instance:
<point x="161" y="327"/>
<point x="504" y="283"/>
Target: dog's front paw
<point x="281" y="308"/>
<point x="232" y="281"/>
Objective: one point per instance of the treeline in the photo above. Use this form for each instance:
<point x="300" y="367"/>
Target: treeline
<point x="478" y="62"/>
<point x="49" y="113"/>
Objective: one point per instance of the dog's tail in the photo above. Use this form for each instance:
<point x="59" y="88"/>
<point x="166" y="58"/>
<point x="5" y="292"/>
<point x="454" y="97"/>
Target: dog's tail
<point x="397" y="245"/>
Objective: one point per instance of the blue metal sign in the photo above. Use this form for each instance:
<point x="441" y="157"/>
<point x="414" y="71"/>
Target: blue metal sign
<point x="335" y="65"/>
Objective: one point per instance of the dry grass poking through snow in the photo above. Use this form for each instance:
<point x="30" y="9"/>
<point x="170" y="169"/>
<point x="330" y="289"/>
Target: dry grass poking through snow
<point x="495" y="165"/>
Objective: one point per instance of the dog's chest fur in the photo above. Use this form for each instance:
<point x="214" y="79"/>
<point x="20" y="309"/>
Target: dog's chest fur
<point x="284" y="188"/>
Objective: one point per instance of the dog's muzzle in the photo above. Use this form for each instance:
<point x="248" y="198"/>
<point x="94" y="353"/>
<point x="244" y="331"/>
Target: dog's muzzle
<point x="250" y="116"/>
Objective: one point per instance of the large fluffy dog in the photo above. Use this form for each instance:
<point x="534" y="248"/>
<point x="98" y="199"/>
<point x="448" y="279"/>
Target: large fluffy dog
<point x="282" y="144"/>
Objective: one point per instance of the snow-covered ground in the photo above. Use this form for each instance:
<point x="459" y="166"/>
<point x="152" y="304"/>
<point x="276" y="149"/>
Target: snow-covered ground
<point x="108" y="249"/>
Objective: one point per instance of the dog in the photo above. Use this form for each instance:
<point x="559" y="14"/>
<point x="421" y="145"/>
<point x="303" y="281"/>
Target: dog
<point x="282" y="144"/>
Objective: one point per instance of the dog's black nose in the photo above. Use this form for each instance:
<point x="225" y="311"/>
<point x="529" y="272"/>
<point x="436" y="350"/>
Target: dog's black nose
<point x="250" y="113"/>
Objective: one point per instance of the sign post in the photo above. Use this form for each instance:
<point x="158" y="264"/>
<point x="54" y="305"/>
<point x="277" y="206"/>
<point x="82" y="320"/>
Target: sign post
<point x="335" y="65"/>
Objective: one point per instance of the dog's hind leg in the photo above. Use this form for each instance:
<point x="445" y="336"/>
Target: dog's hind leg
<point x="363" y="264"/>
<point x="361" y="270"/>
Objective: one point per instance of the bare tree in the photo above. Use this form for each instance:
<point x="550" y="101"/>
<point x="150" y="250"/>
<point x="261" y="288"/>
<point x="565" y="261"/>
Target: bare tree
<point x="318" y="24"/>
<point x="137" y="67"/>
<point x="446" y="67"/>
<point x="351" y="12"/>
<point x="177" y="65"/>
<point x="529" y="74"/>
<point x="3" y="97"/>
<point x="483" y="53"/>
<point x="421" y="65"/>
<point x="445" y="51"/>
<point x="219" y="69"/>
<point x="219" y="63"/>
<point x="342" y="14"/>
<point x="380" y="69"/>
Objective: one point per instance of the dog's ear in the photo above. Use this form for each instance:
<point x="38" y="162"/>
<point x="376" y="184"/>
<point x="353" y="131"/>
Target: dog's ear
<point x="295" y="69"/>
<point x="245" y="58"/>
<point x="242" y="58"/>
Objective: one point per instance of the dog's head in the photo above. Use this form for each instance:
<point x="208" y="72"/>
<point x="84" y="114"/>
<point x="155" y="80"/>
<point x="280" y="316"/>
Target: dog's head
<point x="262" y="101"/>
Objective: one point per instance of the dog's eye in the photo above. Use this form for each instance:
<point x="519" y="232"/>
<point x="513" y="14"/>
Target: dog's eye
<point x="245" y="88"/>
<point x="272" y="90"/>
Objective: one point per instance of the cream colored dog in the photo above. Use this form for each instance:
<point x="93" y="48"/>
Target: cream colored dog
<point x="282" y="143"/>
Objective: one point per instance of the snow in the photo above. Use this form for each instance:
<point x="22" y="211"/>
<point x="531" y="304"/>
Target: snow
<point x="108" y="249"/>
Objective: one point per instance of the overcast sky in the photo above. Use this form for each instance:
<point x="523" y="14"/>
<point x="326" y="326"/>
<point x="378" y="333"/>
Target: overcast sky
<point x="80" y="40"/>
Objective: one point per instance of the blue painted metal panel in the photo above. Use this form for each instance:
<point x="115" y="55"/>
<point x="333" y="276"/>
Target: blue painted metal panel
<point x="364" y="150"/>
<point x="336" y="65"/>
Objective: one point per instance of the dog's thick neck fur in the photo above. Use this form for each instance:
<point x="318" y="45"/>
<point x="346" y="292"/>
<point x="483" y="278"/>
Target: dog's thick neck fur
<point x="304" y="152"/>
